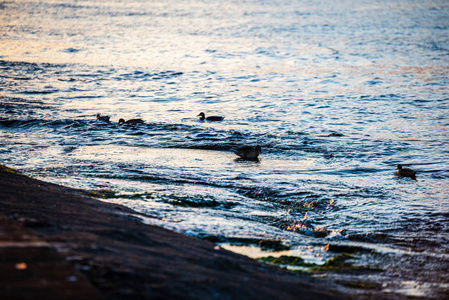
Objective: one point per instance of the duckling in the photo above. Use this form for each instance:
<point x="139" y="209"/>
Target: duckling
<point x="103" y="118"/>
<point x="130" y="122"/>
<point x="249" y="152"/>
<point x="211" y="118"/>
<point x="406" y="172"/>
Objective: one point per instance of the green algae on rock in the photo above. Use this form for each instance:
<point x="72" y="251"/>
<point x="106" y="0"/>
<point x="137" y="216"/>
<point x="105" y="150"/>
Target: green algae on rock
<point x="8" y="169"/>
<point x="342" y="262"/>
<point x="286" y="260"/>
<point x="360" y="285"/>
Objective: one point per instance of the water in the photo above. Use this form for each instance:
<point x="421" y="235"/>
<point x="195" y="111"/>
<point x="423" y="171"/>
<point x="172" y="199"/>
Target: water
<point x="336" y="93"/>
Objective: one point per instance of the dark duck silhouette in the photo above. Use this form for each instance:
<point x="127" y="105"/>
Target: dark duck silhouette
<point x="130" y="122"/>
<point x="406" y="172"/>
<point x="210" y="118"/>
<point x="103" y="118"/>
<point x="249" y="152"/>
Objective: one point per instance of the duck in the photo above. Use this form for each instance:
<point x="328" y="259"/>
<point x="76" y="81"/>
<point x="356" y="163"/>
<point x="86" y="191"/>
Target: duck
<point x="103" y="118"/>
<point x="210" y="118"/>
<point x="131" y="121"/>
<point x="249" y="152"/>
<point x="405" y="172"/>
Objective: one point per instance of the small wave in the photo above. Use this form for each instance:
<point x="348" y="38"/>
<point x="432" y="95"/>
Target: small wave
<point x="20" y="123"/>
<point x="438" y="174"/>
<point x="37" y="123"/>
<point x="143" y="76"/>
<point x="330" y="134"/>
<point x="26" y="67"/>
<point x="35" y="92"/>
<point x="370" y="238"/>
<point x="196" y="201"/>
<point x="71" y="50"/>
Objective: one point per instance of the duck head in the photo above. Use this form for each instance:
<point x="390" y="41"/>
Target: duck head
<point x="121" y="122"/>
<point x="201" y="115"/>
<point x="399" y="167"/>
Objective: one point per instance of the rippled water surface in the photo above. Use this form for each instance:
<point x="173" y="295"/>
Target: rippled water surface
<point x="337" y="93"/>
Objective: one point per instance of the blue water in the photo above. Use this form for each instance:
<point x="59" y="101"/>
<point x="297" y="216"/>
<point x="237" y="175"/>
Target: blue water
<point x="337" y="93"/>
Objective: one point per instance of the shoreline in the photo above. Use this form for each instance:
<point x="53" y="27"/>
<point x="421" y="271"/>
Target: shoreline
<point x="58" y="243"/>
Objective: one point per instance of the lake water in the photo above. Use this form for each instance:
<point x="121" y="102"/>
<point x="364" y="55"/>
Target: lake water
<point x="337" y="93"/>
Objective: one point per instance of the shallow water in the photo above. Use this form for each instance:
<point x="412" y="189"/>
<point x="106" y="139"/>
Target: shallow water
<point x="337" y="94"/>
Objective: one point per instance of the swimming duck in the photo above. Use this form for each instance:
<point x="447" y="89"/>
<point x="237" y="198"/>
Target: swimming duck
<point x="102" y="118"/>
<point x="406" y="172"/>
<point x="211" y="118"/>
<point x="131" y="121"/>
<point x="249" y="152"/>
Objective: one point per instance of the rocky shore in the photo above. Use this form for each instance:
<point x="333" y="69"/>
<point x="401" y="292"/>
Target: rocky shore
<point x="57" y="243"/>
